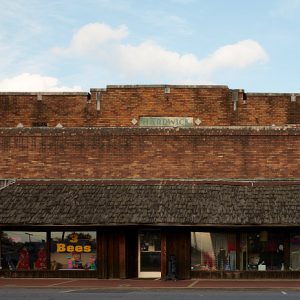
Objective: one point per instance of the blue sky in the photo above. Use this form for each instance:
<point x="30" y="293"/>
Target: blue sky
<point x="75" y="45"/>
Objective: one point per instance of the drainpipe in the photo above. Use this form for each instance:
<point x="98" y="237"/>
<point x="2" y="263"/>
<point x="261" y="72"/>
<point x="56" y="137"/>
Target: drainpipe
<point x="98" y="102"/>
<point x="235" y="98"/>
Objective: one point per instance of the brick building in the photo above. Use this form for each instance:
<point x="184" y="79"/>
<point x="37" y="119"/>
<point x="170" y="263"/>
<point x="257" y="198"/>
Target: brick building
<point x="115" y="182"/>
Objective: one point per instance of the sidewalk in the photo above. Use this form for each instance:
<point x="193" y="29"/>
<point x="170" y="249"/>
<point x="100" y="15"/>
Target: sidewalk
<point x="146" y="284"/>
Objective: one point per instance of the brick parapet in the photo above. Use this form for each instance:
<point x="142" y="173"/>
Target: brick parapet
<point x="117" y="106"/>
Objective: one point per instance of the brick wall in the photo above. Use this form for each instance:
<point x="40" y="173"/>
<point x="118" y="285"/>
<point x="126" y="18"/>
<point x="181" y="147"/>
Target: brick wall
<point x="54" y="108"/>
<point x="213" y="105"/>
<point x="229" y="151"/>
<point x="272" y="152"/>
<point x="120" y="105"/>
<point x="268" y="109"/>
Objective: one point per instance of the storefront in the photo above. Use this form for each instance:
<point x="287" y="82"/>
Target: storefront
<point x="138" y="181"/>
<point x="141" y="245"/>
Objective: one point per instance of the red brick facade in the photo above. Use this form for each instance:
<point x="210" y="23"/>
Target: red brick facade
<point x="234" y="166"/>
<point x="213" y="105"/>
<point x="201" y="152"/>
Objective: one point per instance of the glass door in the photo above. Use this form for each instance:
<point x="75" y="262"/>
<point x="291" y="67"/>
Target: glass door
<point x="149" y="254"/>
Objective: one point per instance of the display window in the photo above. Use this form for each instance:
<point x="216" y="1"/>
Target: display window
<point x="265" y="251"/>
<point x="213" y="251"/>
<point x="259" y="251"/>
<point x="23" y="250"/>
<point x="295" y="252"/>
<point x="73" y="250"/>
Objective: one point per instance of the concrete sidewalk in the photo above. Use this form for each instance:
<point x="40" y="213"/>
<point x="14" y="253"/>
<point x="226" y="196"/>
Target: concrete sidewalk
<point x="146" y="284"/>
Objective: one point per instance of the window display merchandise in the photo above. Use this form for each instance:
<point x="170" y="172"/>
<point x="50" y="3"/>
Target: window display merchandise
<point x="23" y="250"/>
<point x="73" y="250"/>
<point x="213" y="251"/>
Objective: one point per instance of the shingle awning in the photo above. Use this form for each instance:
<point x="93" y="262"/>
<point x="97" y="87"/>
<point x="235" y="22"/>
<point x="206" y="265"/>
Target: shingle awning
<point x="194" y="204"/>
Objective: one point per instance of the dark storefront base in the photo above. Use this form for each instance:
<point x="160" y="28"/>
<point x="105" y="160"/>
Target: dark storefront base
<point x="194" y="274"/>
<point x="48" y="274"/>
<point x="246" y="275"/>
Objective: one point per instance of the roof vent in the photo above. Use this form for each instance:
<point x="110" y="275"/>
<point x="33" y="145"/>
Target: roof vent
<point x="293" y="98"/>
<point x="20" y="125"/>
<point x="39" y="97"/>
<point x="59" y="126"/>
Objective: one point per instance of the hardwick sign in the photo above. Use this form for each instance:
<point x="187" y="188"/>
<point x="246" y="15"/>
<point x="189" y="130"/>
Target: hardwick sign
<point x="166" y="122"/>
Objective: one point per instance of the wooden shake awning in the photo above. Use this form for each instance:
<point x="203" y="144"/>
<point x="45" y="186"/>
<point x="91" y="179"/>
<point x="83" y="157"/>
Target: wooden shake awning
<point x="159" y="203"/>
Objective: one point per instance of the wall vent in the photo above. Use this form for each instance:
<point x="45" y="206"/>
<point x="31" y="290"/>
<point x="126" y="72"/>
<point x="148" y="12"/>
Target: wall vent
<point x="39" y="124"/>
<point x="167" y="90"/>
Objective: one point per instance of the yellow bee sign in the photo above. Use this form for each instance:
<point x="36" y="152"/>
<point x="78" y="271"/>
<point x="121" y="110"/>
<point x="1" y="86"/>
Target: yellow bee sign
<point x="60" y="248"/>
<point x="73" y="238"/>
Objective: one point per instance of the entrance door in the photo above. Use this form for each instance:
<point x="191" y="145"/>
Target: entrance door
<point x="149" y="254"/>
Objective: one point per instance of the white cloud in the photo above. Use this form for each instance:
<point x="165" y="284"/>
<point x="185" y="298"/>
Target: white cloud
<point x="34" y="82"/>
<point x="107" y="48"/>
<point x="239" y="55"/>
<point x="91" y="37"/>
